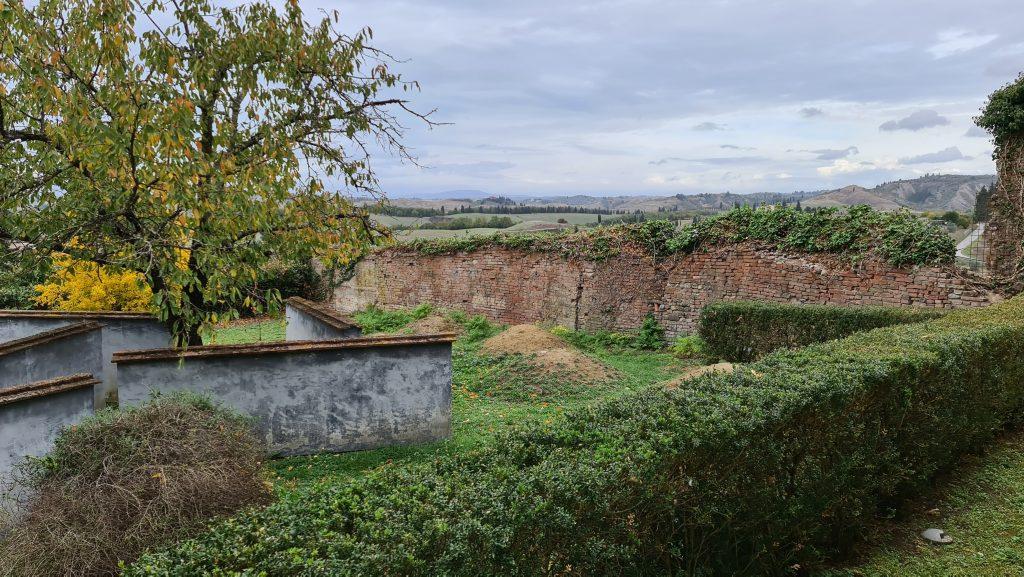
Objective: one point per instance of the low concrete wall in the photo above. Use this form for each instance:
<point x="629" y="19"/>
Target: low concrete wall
<point x="32" y="415"/>
<point x="311" y="397"/>
<point x="59" y="352"/>
<point x="309" y="321"/>
<point x="121" y="331"/>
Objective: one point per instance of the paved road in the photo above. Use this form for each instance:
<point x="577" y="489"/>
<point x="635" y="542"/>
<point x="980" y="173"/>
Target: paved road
<point x="966" y="242"/>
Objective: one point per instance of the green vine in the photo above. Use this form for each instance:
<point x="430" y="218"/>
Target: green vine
<point x="899" y="238"/>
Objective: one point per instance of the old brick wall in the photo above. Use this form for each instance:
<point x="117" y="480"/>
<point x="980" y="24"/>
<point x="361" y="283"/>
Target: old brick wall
<point x="507" y="286"/>
<point x="514" y="286"/>
<point x="1005" y="230"/>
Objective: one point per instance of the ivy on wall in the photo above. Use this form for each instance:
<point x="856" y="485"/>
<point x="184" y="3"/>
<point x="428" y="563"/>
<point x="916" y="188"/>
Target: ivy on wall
<point x="859" y="232"/>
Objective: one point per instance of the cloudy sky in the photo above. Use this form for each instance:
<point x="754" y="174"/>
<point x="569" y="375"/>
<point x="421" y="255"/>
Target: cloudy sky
<point x="552" y="97"/>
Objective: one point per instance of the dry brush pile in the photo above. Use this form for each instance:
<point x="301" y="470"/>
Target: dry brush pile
<point x="124" y="481"/>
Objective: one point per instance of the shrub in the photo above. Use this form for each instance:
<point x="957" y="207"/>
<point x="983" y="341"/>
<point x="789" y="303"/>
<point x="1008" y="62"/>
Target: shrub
<point x="650" y="336"/>
<point x="85" y="286"/>
<point x="377" y="320"/>
<point x="123" y="481"/>
<point x="690" y="347"/>
<point x="758" y="472"/>
<point x="17" y="287"/>
<point x="740" y="331"/>
<point x="293" y="280"/>
<point x="475" y="328"/>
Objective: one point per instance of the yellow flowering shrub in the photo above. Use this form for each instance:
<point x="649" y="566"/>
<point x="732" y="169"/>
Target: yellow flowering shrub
<point x="85" y="286"/>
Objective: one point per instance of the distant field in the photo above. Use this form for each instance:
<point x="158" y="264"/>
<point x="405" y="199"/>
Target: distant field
<point x="570" y="217"/>
<point x="427" y="233"/>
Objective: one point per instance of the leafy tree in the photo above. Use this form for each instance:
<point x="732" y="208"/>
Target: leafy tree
<point x="190" y="143"/>
<point x="981" y="203"/>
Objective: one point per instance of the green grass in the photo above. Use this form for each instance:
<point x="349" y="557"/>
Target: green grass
<point x="249" y="331"/>
<point x="489" y="395"/>
<point x="980" y="504"/>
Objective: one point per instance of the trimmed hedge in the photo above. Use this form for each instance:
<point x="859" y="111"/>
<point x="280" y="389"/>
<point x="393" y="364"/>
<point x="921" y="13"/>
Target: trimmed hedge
<point x="741" y="331"/>
<point x="779" y="464"/>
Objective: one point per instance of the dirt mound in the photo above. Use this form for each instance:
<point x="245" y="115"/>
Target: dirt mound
<point x="547" y="352"/>
<point x="694" y="372"/>
<point x="432" y="325"/>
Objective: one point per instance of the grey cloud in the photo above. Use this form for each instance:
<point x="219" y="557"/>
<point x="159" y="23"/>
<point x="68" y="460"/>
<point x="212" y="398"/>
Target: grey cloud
<point x="712" y="160"/>
<point x="834" y="153"/>
<point x="708" y="126"/>
<point x="571" y="72"/>
<point x="811" y="112"/>
<point x="917" y="121"/>
<point x="734" y="147"/>
<point x="977" y="132"/>
<point x="664" y="161"/>
<point x="945" y="155"/>
<point x="481" y="168"/>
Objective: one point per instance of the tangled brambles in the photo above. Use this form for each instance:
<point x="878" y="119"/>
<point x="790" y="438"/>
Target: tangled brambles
<point x="124" y="481"/>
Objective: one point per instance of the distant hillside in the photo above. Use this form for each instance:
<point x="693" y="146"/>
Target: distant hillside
<point x="851" y="195"/>
<point x="932" y="192"/>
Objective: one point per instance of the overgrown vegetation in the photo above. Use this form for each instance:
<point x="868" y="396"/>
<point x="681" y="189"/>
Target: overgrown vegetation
<point x="377" y="320"/>
<point x="741" y="331"/>
<point x="757" y="472"/>
<point x="1003" y="114"/>
<point x="649" y="337"/>
<point x="856" y="233"/>
<point x="124" y="481"/>
<point x="17" y="286"/>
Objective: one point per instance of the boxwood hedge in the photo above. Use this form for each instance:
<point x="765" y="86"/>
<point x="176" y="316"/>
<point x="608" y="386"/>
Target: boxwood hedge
<point x="756" y="473"/>
<point x="741" y="331"/>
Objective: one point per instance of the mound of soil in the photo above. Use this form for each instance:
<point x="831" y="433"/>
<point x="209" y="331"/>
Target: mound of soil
<point x="547" y="353"/>
<point x="695" y="372"/>
<point x="432" y="325"/>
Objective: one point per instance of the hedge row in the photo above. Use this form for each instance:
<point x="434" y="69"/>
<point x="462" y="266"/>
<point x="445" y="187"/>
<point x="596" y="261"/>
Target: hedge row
<point x="753" y="473"/>
<point x="858" y="232"/>
<point x="741" y="331"/>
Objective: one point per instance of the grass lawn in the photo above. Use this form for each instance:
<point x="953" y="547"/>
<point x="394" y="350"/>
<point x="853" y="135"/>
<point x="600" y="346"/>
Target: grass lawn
<point x="980" y="505"/>
<point x="489" y="395"/>
<point x="249" y="331"/>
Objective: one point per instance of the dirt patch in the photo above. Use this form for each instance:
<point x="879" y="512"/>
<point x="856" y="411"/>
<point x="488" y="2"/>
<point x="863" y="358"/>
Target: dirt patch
<point x="432" y="325"/>
<point x="548" y="353"/>
<point x="695" y="372"/>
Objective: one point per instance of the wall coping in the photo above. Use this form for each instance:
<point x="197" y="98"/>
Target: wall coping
<point x="323" y="313"/>
<point x="98" y="315"/>
<point x="286" y="347"/>
<point x="46" y="388"/>
<point x="44" y="337"/>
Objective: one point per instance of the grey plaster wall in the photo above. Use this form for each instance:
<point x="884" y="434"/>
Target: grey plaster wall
<point x="313" y="401"/>
<point x="12" y="328"/>
<point x="28" y="427"/>
<point x="302" y="326"/>
<point x="120" y="333"/>
<point x="60" y="357"/>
